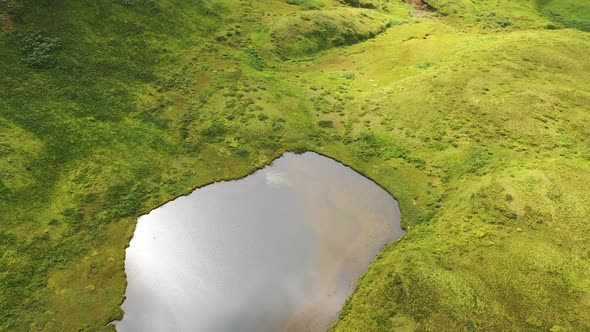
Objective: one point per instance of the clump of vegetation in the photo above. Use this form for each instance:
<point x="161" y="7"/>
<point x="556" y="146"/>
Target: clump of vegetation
<point x="348" y="75"/>
<point x="38" y="50"/>
<point x="491" y="20"/>
<point x="372" y="4"/>
<point x="214" y="131"/>
<point x="309" y="4"/>
<point x="4" y="191"/>
<point x="572" y="14"/>
<point x="254" y="60"/>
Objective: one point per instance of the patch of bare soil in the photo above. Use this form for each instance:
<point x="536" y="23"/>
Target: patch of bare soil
<point x="418" y="3"/>
<point x="6" y="22"/>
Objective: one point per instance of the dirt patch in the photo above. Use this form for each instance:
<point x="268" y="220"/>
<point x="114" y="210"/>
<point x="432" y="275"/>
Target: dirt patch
<point x="417" y="3"/>
<point x="6" y="22"/>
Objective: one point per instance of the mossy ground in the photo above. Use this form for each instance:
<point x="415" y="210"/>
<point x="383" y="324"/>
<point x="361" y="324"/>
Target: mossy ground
<point x="474" y="115"/>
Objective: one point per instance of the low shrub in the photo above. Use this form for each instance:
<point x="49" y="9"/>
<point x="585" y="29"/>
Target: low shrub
<point x="308" y="4"/>
<point x="38" y="50"/>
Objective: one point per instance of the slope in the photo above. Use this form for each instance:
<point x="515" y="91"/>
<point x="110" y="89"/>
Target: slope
<point x="472" y="114"/>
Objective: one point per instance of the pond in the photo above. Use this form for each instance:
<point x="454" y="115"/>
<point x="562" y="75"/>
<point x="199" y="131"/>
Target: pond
<point x="279" y="250"/>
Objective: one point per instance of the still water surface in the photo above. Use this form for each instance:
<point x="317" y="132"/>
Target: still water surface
<point x="279" y="250"/>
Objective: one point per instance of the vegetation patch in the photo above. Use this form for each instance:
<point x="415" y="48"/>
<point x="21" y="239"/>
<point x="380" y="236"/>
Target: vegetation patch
<point x="306" y="33"/>
<point x="572" y="14"/>
<point x="475" y="120"/>
<point x="309" y="4"/>
<point x="491" y="14"/>
<point x="38" y="49"/>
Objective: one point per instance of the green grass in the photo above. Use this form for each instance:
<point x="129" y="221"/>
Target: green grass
<point x="304" y="34"/>
<point x="573" y="14"/>
<point x="473" y="116"/>
<point x="309" y="4"/>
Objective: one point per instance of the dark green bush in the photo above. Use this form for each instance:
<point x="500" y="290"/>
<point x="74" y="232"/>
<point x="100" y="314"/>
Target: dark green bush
<point x="372" y="4"/>
<point x="214" y="131"/>
<point x="242" y="152"/>
<point x="348" y="75"/>
<point x="7" y="238"/>
<point x="254" y="59"/>
<point x="37" y="49"/>
<point x="4" y="191"/>
<point x="493" y="21"/>
<point x="308" y="4"/>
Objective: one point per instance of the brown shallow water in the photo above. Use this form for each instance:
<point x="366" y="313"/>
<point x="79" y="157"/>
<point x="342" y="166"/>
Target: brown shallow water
<point x="279" y="250"/>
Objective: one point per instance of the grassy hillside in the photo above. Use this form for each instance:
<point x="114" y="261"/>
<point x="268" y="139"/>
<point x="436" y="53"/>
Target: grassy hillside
<point x="473" y="114"/>
<point x="573" y="14"/>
